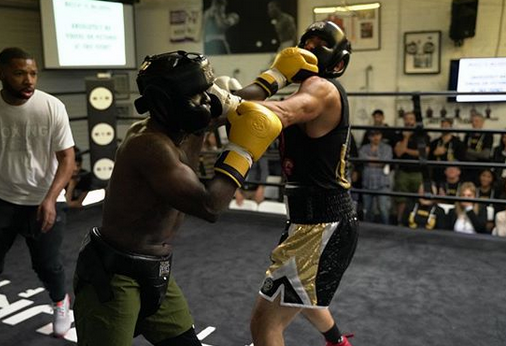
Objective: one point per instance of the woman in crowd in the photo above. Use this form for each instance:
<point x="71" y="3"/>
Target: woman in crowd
<point x="468" y="217"/>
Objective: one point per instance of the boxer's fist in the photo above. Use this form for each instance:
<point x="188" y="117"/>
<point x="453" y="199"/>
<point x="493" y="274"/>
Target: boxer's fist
<point x="228" y="83"/>
<point x="291" y="65"/>
<point x="253" y="127"/>
<point x="222" y="101"/>
<point x="296" y="64"/>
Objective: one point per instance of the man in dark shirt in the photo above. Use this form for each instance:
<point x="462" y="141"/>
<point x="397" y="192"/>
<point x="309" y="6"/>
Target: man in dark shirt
<point x="379" y="120"/>
<point x="424" y="213"/>
<point x="407" y="177"/>
<point x="448" y="147"/>
<point x="478" y="147"/>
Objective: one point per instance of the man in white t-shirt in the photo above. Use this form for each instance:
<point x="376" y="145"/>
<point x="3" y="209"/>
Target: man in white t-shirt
<point x="36" y="163"/>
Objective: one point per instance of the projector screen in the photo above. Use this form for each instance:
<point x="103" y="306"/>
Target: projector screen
<point x="87" y="34"/>
<point x="481" y="75"/>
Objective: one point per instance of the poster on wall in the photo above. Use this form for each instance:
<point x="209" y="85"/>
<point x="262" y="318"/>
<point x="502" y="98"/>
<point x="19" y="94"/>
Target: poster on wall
<point x="422" y="52"/>
<point x="185" y="23"/>
<point x="360" y="22"/>
<point x="246" y="27"/>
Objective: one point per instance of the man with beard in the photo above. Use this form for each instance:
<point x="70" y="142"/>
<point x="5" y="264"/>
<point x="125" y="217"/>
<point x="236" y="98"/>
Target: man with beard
<point x="36" y="163"/>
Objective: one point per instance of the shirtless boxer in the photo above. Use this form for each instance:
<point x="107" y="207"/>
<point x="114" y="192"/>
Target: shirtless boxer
<point x="122" y="283"/>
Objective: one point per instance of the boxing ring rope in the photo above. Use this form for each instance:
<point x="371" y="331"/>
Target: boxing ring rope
<point x="419" y="129"/>
<point x="434" y="163"/>
<point x="419" y="132"/>
<point x="430" y="196"/>
<point x="426" y="129"/>
<point x="395" y="194"/>
<point x="423" y="93"/>
<point x="409" y="93"/>
<point x="423" y="162"/>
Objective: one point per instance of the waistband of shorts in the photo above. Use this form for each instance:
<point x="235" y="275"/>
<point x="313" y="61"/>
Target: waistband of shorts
<point x="311" y="205"/>
<point x="130" y="264"/>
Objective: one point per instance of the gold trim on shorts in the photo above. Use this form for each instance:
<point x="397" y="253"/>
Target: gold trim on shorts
<point x="297" y="258"/>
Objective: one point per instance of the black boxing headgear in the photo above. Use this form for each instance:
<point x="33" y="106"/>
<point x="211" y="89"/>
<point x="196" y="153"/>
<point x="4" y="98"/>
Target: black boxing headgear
<point x="338" y="48"/>
<point x="167" y="82"/>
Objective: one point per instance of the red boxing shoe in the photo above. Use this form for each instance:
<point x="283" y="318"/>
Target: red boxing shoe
<point x="344" y="342"/>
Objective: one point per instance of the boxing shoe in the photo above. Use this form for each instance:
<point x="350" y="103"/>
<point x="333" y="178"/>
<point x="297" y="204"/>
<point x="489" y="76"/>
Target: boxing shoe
<point x="61" y="317"/>
<point x="344" y="341"/>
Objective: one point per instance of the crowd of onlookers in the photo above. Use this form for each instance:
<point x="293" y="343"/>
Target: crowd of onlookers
<point x="447" y="180"/>
<point x="380" y="144"/>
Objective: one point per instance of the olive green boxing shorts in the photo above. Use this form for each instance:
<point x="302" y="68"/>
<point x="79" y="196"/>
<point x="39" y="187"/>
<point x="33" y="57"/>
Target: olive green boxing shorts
<point x="115" y="322"/>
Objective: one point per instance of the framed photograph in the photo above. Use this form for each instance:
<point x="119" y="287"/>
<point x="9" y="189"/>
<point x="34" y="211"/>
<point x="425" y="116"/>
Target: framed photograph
<point x="422" y="52"/>
<point x="248" y="27"/>
<point x="360" y="22"/>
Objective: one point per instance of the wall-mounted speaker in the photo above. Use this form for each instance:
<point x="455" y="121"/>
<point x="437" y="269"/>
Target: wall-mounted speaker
<point x="463" y="24"/>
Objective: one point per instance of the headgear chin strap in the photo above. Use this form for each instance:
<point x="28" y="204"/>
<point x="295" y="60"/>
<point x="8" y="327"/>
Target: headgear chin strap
<point x="338" y="48"/>
<point x="167" y="83"/>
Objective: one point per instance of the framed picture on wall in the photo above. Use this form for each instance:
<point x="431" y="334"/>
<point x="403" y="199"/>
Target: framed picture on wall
<point x="422" y="52"/>
<point x="248" y="27"/>
<point x="360" y="22"/>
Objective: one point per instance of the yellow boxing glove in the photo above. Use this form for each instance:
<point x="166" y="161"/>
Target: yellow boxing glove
<point x="291" y="65"/>
<point x="253" y="128"/>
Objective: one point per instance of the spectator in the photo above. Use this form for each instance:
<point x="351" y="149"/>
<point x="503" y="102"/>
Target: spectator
<point x="501" y="193"/>
<point x="468" y="217"/>
<point x="451" y="185"/>
<point x="425" y="213"/>
<point x="448" y="147"/>
<point x="378" y="118"/>
<point x="79" y="185"/>
<point x="376" y="177"/>
<point x="254" y="191"/>
<point x="478" y="147"/>
<point x="407" y="177"/>
<point x="499" y="156"/>
<point x="487" y="190"/>
<point x="486" y="187"/>
<point x="500" y="224"/>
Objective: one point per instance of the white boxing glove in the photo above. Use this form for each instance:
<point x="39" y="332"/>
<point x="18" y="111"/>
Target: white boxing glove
<point x="228" y="83"/>
<point x="222" y="101"/>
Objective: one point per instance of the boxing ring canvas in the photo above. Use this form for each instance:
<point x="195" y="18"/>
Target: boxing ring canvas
<point x="404" y="287"/>
<point x="360" y="22"/>
<point x="422" y="52"/>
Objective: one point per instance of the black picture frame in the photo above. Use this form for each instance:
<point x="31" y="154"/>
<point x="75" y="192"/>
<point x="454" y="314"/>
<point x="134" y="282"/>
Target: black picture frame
<point x="422" y="52"/>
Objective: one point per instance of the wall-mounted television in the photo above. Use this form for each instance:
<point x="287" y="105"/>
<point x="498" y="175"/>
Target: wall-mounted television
<point x="478" y="75"/>
<point x="87" y="34"/>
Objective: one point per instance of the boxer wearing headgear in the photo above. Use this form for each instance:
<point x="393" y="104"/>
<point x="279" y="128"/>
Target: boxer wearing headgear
<point x="322" y="230"/>
<point x="167" y="83"/>
<point x="123" y="283"/>
<point x="336" y="50"/>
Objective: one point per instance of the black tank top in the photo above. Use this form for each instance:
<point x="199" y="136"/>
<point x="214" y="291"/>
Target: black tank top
<point x="318" y="162"/>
